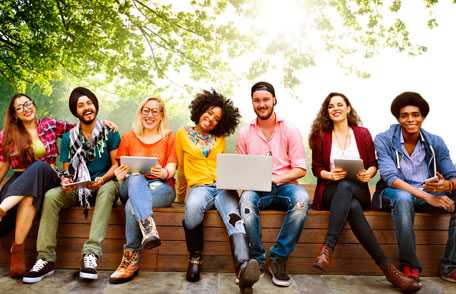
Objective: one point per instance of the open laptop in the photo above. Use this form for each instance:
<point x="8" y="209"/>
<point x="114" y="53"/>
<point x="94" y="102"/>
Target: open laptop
<point x="244" y="172"/>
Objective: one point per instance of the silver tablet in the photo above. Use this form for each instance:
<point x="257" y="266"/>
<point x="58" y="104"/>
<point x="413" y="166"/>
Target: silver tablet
<point x="351" y="166"/>
<point x="138" y="164"/>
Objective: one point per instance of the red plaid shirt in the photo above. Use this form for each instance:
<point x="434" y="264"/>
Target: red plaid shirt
<point x="48" y="131"/>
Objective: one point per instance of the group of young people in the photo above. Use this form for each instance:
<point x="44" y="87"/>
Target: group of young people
<point x="407" y="156"/>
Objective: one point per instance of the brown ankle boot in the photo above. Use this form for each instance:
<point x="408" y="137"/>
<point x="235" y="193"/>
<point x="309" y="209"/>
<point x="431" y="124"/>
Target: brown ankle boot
<point x="128" y="267"/>
<point x="17" y="261"/>
<point x="2" y="214"/>
<point x="150" y="234"/>
<point x="399" y="280"/>
<point x="323" y="259"/>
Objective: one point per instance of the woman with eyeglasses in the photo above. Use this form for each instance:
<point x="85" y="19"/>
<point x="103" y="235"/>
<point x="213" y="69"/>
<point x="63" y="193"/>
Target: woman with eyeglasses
<point x="144" y="192"/>
<point x="28" y="147"/>
<point x="197" y="146"/>
<point x="336" y="134"/>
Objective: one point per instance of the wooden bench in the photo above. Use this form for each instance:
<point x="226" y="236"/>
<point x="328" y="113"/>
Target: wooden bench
<point x="349" y="258"/>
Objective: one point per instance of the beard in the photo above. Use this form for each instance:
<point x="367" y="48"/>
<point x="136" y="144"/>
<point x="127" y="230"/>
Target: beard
<point x="266" y="116"/>
<point x="86" y="121"/>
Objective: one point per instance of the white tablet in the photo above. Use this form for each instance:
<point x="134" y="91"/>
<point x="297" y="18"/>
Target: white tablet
<point x="351" y="166"/>
<point x="138" y="164"/>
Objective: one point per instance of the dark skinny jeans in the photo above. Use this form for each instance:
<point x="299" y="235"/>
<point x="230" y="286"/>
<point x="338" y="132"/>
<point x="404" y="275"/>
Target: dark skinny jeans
<point x="345" y="200"/>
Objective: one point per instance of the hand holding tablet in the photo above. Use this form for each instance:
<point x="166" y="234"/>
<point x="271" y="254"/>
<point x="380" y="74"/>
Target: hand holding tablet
<point x="351" y="166"/>
<point x="138" y="164"/>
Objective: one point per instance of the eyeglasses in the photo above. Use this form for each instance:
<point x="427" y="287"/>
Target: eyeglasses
<point x="146" y="111"/>
<point x="23" y="106"/>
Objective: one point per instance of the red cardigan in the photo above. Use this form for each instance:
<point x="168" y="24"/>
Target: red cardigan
<point x="321" y="154"/>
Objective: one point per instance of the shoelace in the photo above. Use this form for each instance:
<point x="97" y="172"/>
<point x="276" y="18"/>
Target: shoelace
<point x="39" y="264"/>
<point x="90" y="261"/>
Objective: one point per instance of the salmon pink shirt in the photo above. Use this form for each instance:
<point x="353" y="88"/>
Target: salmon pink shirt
<point x="285" y="145"/>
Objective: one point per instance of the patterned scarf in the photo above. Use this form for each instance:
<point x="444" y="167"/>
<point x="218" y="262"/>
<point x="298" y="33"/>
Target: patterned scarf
<point x="82" y="150"/>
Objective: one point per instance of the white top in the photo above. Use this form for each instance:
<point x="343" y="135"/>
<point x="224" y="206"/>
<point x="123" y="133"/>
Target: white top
<point x="351" y="151"/>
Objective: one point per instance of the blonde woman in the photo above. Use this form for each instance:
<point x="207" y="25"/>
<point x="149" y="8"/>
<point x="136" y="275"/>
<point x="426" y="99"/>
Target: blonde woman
<point x="142" y="193"/>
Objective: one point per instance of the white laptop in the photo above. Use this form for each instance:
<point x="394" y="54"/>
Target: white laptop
<point x="138" y="164"/>
<point x="244" y="172"/>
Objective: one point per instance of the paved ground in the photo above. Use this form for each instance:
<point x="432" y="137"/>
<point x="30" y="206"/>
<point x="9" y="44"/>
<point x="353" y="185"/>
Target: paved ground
<point x="66" y="281"/>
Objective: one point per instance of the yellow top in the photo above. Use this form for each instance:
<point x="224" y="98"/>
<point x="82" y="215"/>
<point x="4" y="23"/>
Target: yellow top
<point x="193" y="167"/>
<point x="38" y="148"/>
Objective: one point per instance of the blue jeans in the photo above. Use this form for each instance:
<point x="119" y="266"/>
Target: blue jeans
<point x="202" y="198"/>
<point x="403" y="206"/>
<point x="140" y="201"/>
<point x="291" y="198"/>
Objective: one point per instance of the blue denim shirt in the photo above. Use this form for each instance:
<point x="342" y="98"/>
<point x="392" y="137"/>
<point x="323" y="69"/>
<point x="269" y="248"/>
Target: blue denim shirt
<point x="413" y="166"/>
<point x="390" y="152"/>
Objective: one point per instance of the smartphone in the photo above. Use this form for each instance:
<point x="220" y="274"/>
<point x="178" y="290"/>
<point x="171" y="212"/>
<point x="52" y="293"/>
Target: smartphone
<point x="434" y="178"/>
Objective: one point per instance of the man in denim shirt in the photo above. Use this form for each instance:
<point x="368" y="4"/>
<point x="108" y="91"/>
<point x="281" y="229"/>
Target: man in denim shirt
<point x="416" y="173"/>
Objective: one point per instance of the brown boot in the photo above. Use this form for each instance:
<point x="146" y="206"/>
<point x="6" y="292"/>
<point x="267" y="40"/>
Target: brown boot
<point x="2" y="214"/>
<point x="399" y="280"/>
<point x="150" y="233"/>
<point x="128" y="267"/>
<point x="323" y="260"/>
<point x="17" y="261"/>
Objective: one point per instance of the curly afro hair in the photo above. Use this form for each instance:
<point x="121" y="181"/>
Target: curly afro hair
<point x="409" y="99"/>
<point x="209" y="99"/>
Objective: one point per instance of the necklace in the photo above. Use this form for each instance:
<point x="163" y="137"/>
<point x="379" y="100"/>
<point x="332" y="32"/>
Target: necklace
<point x="342" y="147"/>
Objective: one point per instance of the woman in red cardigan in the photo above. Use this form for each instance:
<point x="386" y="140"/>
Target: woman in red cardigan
<point x="335" y="134"/>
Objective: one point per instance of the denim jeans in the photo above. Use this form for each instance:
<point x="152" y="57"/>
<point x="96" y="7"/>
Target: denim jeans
<point x="202" y="198"/>
<point x="142" y="197"/>
<point x="291" y="198"/>
<point x="403" y="206"/>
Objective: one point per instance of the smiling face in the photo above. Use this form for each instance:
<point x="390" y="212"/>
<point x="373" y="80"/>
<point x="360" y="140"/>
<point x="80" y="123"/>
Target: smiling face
<point x="151" y="115"/>
<point x="410" y="119"/>
<point x="210" y="118"/>
<point x="338" y="109"/>
<point x="86" y="110"/>
<point x="263" y="104"/>
<point x="24" y="109"/>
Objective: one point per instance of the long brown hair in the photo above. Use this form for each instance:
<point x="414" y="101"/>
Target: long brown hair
<point x="323" y="123"/>
<point x="16" y="139"/>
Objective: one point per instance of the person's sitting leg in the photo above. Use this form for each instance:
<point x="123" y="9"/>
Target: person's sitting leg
<point x="250" y="204"/>
<point x="54" y="201"/>
<point x="129" y="265"/>
<point x="247" y="270"/>
<point x="403" y="214"/>
<point x="92" y="251"/>
<point x="448" y="266"/>
<point x="197" y="202"/>
<point x="294" y="200"/>
<point x="144" y="196"/>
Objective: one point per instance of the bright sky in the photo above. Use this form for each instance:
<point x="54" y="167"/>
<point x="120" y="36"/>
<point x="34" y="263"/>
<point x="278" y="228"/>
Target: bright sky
<point x="430" y="74"/>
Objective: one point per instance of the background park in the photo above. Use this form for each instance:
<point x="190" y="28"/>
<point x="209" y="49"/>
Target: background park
<point x="127" y="50"/>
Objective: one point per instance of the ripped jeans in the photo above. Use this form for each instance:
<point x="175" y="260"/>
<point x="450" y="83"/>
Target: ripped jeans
<point x="291" y="198"/>
<point x="202" y="198"/>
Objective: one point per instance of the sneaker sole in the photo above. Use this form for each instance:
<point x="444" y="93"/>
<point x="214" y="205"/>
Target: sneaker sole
<point x="278" y="282"/>
<point x="448" y="279"/>
<point x="149" y="244"/>
<point x="29" y="280"/>
<point x="88" y="276"/>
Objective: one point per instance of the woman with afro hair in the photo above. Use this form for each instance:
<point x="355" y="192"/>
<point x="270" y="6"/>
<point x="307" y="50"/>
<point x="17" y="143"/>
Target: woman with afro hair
<point x="197" y="146"/>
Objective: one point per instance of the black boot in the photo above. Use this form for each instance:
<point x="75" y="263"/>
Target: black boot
<point x="247" y="270"/>
<point x="194" y="240"/>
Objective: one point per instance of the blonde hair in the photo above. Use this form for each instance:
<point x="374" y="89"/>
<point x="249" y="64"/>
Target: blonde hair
<point x="138" y="127"/>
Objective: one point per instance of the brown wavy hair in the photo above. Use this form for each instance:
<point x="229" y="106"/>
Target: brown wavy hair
<point x="322" y="123"/>
<point x="16" y="139"/>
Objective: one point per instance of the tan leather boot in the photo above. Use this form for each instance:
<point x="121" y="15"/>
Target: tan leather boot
<point x="399" y="280"/>
<point x="150" y="234"/>
<point x="17" y="261"/>
<point x="323" y="259"/>
<point x="128" y="267"/>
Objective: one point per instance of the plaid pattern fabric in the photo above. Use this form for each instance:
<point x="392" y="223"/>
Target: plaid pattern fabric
<point x="48" y="131"/>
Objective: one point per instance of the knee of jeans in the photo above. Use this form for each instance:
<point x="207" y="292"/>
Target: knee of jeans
<point x="135" y="179"/>
<point x="403" y="200"/>
<point x="301" y="200"/>
<point x="345" y="185"/>
<point x="235" y="220"/>
<point x="53" y="194"/>
<point x="39" y="165"/>
<point x="355" y="205"/>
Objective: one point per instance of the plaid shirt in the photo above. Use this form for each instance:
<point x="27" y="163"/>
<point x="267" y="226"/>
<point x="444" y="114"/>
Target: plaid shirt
<point x="48" y="131"/>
